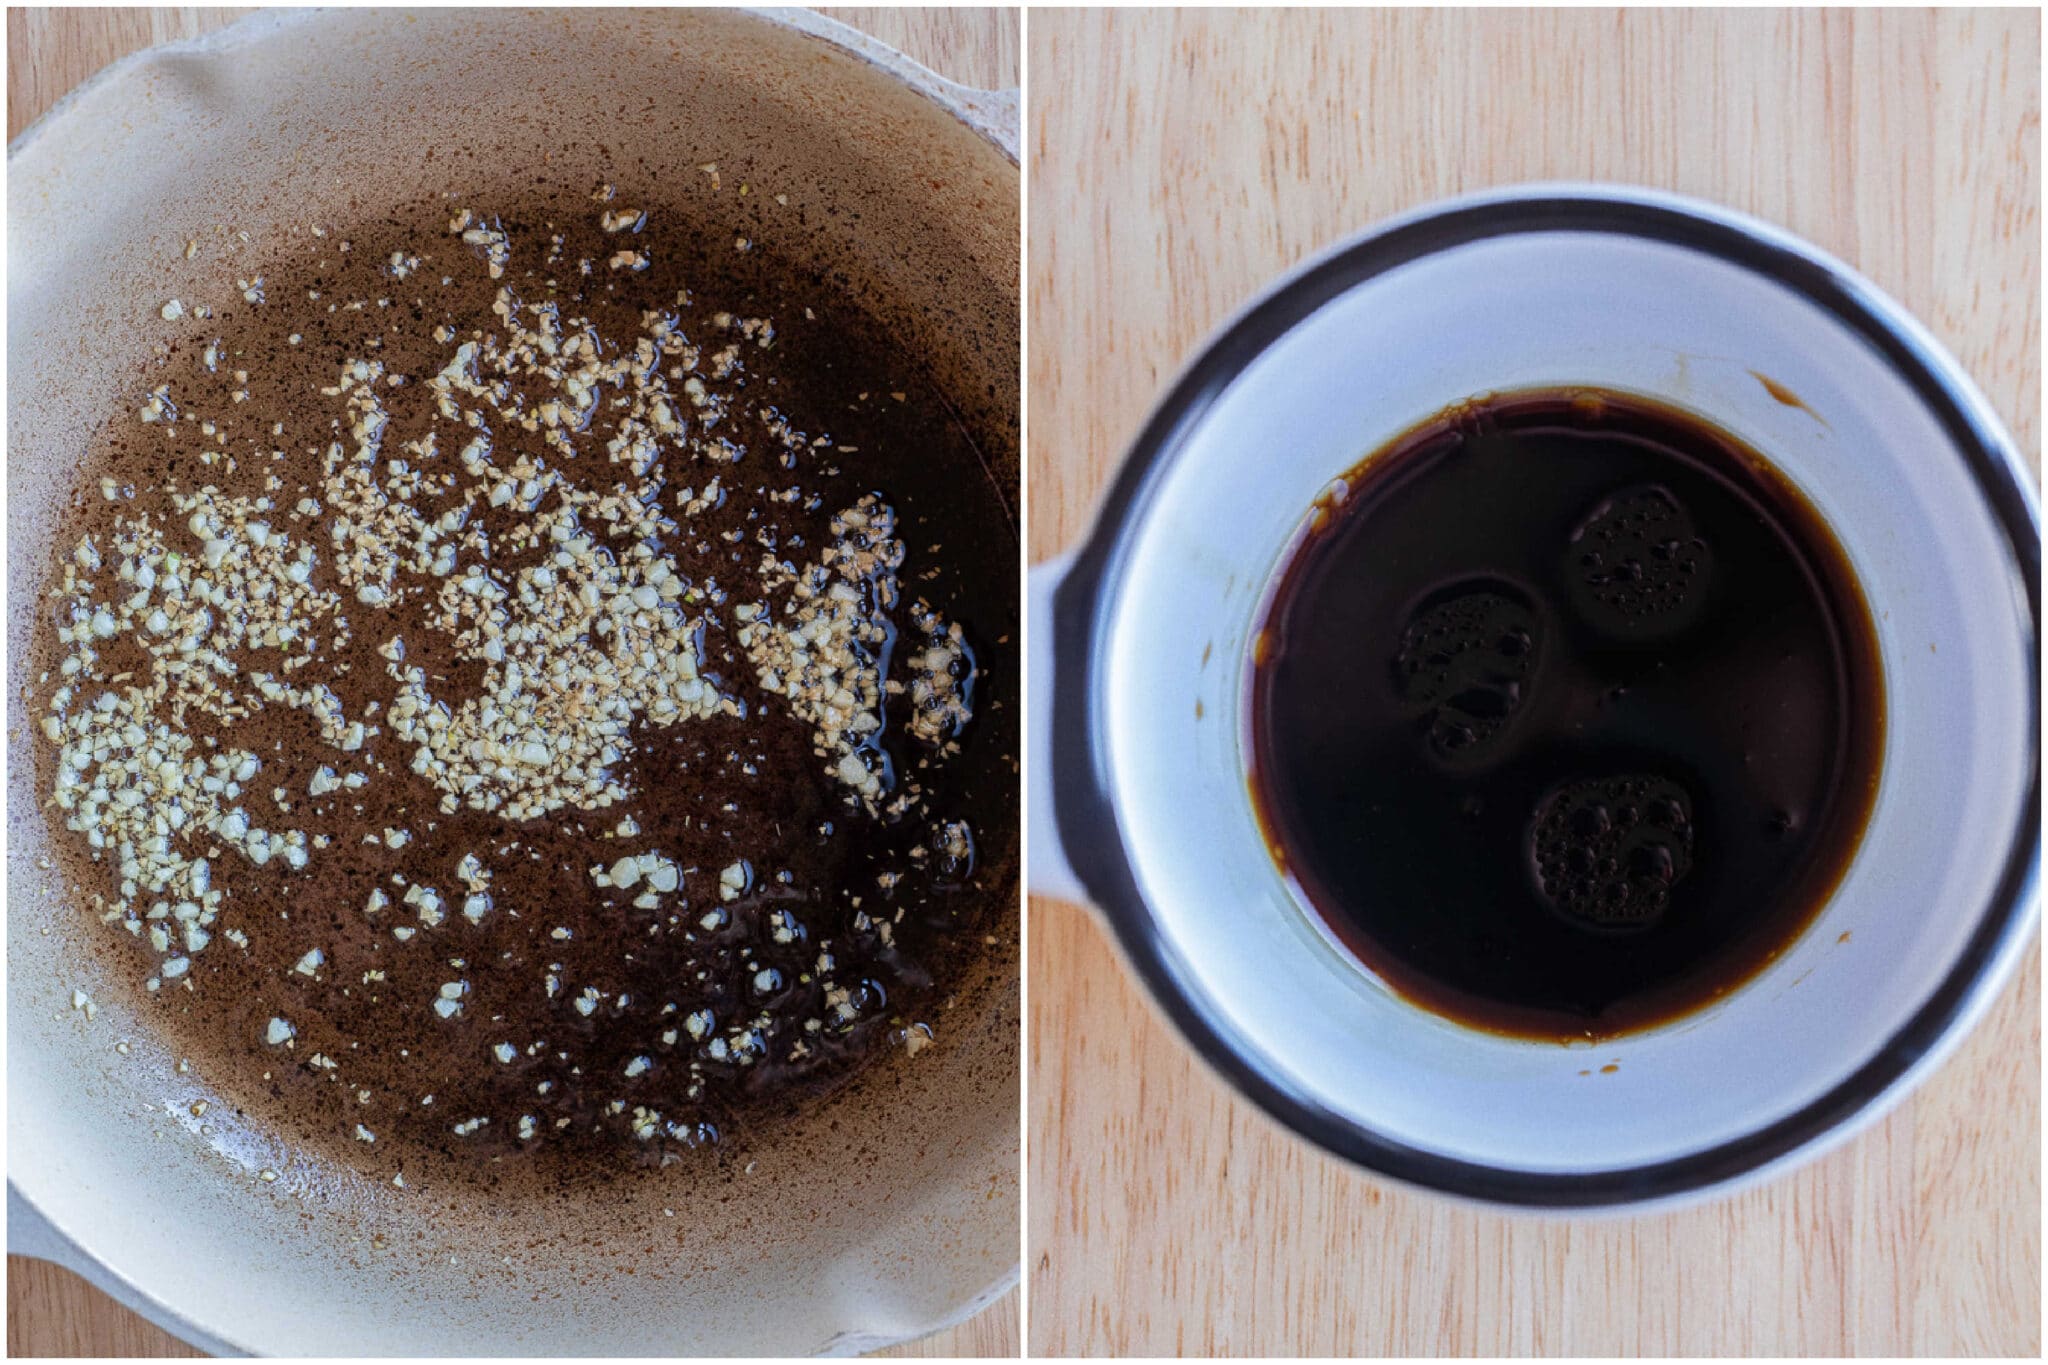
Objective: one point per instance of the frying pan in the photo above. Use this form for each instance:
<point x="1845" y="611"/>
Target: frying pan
<point x="901" y="1216"/>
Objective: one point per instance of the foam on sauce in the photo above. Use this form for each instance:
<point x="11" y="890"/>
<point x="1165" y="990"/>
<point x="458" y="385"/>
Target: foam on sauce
<point x="520" y="690"/>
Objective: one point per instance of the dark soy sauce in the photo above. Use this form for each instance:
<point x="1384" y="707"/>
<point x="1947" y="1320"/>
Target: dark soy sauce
<point x="1567" y="718"/>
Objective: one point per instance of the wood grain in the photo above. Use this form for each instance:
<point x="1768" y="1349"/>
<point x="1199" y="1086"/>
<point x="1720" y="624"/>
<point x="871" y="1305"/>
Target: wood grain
<point x="51" y="1312"/>
<point x="1179" y="160"/>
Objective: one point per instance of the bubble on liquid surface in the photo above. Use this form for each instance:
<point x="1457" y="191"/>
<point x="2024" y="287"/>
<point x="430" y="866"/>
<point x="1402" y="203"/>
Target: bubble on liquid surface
<point x="1464" y="666"/>
<point x="1609" y="850"/>
<point x="1637" y="567"/>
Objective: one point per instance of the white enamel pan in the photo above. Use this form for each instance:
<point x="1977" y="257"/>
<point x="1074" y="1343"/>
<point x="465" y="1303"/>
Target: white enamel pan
<point x="1143" y="643"/>
<point x="899" y="183"/>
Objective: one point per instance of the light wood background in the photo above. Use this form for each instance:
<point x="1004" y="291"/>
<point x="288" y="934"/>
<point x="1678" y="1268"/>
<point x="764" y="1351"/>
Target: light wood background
<point x="51" y="1312"/>
<point x="1179" y="162"/>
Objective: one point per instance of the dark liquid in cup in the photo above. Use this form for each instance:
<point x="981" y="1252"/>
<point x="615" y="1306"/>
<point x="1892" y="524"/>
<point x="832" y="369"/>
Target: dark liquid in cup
<point x="1567" y="717"/>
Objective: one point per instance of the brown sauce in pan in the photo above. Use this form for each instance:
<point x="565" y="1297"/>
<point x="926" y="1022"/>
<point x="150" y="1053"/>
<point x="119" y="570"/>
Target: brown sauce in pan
<point x="1568" y="716"/>
<point x="803" y="895"/>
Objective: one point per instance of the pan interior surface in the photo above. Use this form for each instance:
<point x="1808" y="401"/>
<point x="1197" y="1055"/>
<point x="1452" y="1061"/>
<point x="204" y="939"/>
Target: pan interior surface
<point x="880" y="1214"/>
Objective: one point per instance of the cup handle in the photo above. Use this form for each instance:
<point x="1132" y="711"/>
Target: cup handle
<point x="1048" y="871"/>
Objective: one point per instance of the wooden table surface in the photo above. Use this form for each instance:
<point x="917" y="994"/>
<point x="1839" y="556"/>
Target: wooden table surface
<point x="51" y="1312"/>
<point x="1178" y="162"/>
